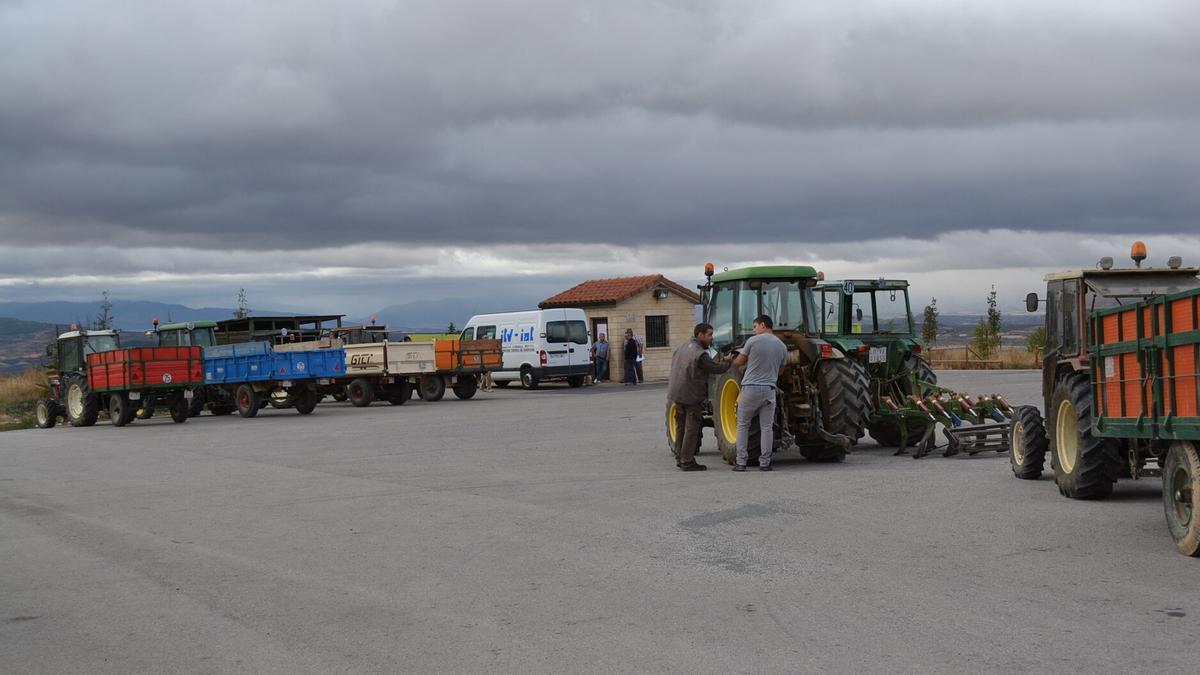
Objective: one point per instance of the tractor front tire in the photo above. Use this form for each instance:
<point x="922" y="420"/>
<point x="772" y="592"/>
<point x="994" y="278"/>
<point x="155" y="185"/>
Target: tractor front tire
<point x="120" y="409"/>
<point x="46" y="414"/>
<point x="1027" y="443"/>
<point x="83" y="405"/>
<point x="307" y="400"/>
<point x="466" y="387"/>
<point x="432" y="389"/>
<point x="247" y="401"/>
<point x="361" y="392"/>
<point x="340" y="395"/>
<point x="724" y="395"/>
<point x="179" y="407"/>
<point x="1085" y="466"/>
<point x="845" y="395"/>
<point x="1181" y="489"/>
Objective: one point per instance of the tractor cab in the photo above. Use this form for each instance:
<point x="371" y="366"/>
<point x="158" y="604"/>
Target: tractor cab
<point x="68" y="354"/>
<point x="732" y="299"/>
<point x="362" y="335"/>
<point x="189" y="334"/>
<point x="1073" y="295"/>
<point x="871" y="320"/>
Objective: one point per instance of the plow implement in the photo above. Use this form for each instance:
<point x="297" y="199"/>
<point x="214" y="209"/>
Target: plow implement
<point x="970" y="426"/>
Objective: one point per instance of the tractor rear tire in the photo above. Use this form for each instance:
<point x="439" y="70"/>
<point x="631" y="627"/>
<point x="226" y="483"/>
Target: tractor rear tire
<point x="824" y="454"/>
<point x="340" y="396"/>
<point x="432" y="389"/>
<point x="83" y="405"/>
<point x="887" y="434"/>
<point x="307" y="400"/>
<point x="845" y="395"/>
<point x="400" y="394"/>
<point x="179" y="408"/>
<point x="361" y="392"/>
<point x="1085" y="466"/>
<point x="466" y="387"/>
<point x="120" y="409"/>
<point x="46" y="414"/>
<point x="1027" y="443"/>
<point x="1181" y="490"/>
<point x="924" y="373"/>
<point x="247" y="401"/>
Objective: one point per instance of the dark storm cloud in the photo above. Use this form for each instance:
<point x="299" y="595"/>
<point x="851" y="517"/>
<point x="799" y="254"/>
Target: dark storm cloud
<point x="295" y="124"/>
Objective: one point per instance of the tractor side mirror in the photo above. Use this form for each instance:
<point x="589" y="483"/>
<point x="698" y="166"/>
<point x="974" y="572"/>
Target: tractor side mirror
<point x="858" y="314"/>
<point x="1031" y="302"/>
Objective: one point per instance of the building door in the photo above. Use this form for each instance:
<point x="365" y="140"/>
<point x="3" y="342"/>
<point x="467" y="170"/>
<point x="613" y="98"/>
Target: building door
<point x="599" y="325"/>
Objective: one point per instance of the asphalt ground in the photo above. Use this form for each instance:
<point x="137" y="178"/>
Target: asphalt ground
<point x="550" y="531"/>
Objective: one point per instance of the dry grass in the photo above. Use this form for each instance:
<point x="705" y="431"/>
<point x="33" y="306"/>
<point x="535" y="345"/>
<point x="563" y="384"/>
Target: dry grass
<point x="965" y="358"/>
<point x="18" y="394"/>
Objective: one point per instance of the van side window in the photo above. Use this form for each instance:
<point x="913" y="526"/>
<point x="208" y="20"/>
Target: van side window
<point x="468" y="334"/>
<point x="556" y="331"/>
<point x="485" y="333"/>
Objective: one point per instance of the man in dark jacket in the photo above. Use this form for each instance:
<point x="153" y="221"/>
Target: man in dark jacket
<point x="631" y="354"/>
<point x="690" y="367"/>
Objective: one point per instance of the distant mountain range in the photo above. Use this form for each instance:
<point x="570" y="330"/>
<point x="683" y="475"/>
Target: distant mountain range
<point x="22" y="344"/>
<point x="126" y="314"/>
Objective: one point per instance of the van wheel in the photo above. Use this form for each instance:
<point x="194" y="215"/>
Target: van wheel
<point x="529" y="379"/>
<point x="361" y="392"/>
<point x="247" y="401"/>
<point x="432" y="389"/>
<point x="575" y="381"/>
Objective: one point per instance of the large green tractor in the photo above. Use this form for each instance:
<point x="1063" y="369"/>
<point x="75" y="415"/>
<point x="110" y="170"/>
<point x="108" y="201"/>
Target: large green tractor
<point x="823" y="400"/>
<point x="871" y="322"/>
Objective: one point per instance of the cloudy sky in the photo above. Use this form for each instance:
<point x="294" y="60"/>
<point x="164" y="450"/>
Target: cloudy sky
<point x="352" y="154"/>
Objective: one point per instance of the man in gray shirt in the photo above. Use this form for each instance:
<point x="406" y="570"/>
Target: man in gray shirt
<point x="763" y="356"/>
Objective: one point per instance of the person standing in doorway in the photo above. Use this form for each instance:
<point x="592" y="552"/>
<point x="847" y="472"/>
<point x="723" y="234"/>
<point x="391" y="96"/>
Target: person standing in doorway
<point x="631" y="353"/>
<point x="690" y="367"/>
<point x="641" y="356"/>
<point x="764" y="356"/>
<point x="600" y="350"/>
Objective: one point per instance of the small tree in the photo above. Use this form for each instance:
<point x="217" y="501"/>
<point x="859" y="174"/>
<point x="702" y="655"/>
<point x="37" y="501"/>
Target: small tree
<point x="993" y="319"/>
<point x="982" y="341"/>
<point x="451" y="330"/>
<point x="1037" y="340"/>
<point x="929" y="325"/>
<point x="243" y="310"/>
<point x="104" y="319"/>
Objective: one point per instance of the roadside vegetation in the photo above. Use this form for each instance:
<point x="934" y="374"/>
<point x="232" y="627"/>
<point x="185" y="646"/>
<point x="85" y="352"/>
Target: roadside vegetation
<point x="18" y="395"/>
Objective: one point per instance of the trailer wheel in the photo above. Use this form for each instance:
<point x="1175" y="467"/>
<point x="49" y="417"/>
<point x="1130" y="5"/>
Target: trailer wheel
<point x="1085" y="466"/>
<point x="845" y="395"/>
<point x="199" y="398"/>
<point x="120" y="410"/>
<point x="340" y="395"/>
<point x="466" y="387"/>
<point x="1027" y="443"/>
<point x="432" y="388"/>
<point x="179" y="406"/>
<point x="529" y="379"/>
<point x="400" y="394"/>
<point x="361" y="392"/>
<point x="222" y="410"/>
<point x="307" y="400"/>
<point x="575" y="381"/>
<point x="83" y="405"/>
<point x="247" y="401"/>
<point x="1181" y="488"/>
<point x="46" y="413"/>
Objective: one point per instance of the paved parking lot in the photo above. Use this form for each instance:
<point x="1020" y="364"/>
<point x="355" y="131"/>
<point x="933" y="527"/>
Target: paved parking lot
<point x="549" y="531"/>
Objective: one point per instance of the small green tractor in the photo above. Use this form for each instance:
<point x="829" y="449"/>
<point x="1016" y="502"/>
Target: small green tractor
<point x="823" y="400"/>
<point x="871" y="322"/>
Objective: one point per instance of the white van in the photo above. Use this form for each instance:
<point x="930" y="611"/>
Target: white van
<point x="539" y="345"/>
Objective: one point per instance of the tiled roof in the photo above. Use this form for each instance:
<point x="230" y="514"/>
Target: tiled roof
<point x="611" y="291"/>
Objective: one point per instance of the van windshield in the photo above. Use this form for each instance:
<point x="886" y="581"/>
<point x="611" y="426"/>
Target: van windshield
<point x="566" y="331"/>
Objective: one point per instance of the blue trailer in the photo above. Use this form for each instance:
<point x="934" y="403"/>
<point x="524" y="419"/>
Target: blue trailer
<point x="253" y="373"/>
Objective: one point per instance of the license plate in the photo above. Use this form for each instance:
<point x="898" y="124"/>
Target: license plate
<point x="877" y="355"/>
<point x="188" y="394"/>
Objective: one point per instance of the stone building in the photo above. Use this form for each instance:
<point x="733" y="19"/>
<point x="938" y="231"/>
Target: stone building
<point x="658" y="310"/>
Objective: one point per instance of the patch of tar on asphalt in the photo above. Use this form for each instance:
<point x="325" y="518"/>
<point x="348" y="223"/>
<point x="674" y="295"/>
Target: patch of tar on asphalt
<point x="711" y="518"/>
<point x="1175" y="612"/>
<point x="17" y="619"/>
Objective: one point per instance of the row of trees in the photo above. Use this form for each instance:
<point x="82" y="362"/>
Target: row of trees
<point x="986" y="341"/>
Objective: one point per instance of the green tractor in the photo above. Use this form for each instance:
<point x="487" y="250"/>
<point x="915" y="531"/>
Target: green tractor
<point x="823" y="398"/>
<point x="871" y="322"/>
<point x="198" y="334"/>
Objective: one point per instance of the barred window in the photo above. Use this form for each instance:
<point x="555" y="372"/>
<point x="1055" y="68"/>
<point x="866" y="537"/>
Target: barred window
<point x="656" y="331"/>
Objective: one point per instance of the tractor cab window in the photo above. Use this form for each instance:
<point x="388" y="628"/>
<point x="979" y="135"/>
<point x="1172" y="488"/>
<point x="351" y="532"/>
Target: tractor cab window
<point x="203" y="337"/>
<point x="169" y="338"/>
<point x="781" y="300"/>
<point x="1070" y="318"/>
<point x="69" y="355"/>
<point x="99" y="343"/>
<point x="720" y="314"/>
<point x="831" y="311"/>
<point x="864" y="317"/>
<point x="891" y="312"/>
<point x="747" y="310"/>
<point x="1054" y="291"/>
